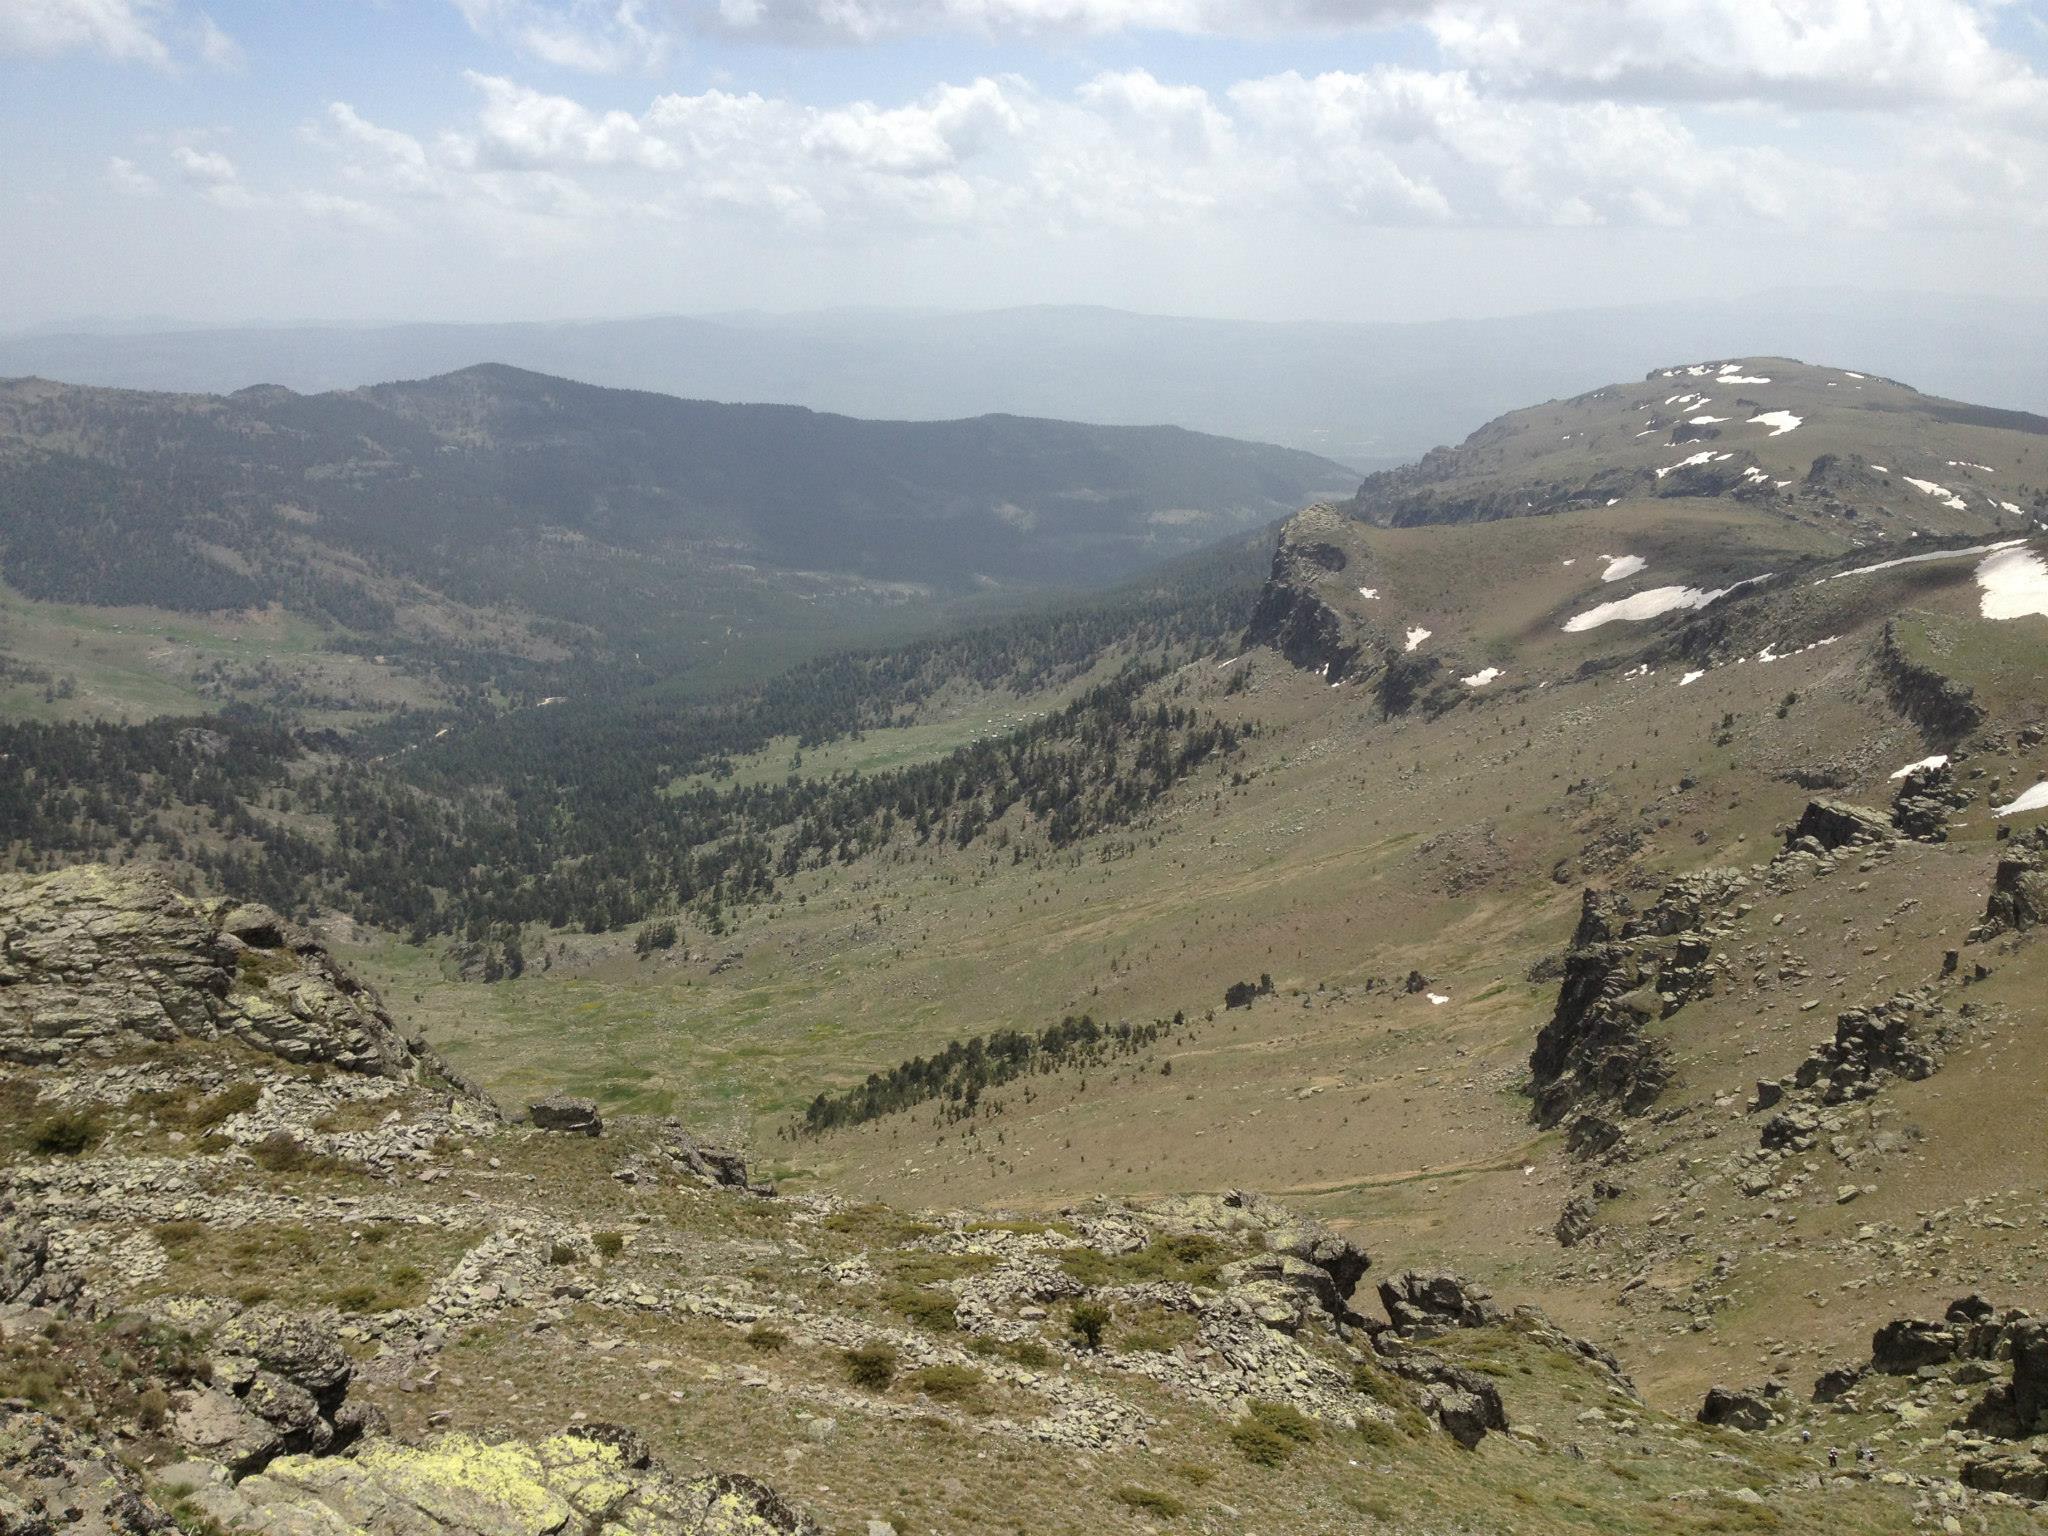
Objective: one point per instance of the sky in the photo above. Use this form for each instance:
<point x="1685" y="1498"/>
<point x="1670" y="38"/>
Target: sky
<point x="380" y="160"/>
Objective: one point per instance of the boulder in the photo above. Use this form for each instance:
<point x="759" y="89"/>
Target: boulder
<point x="708" y="1164"/>
<point x="1421" y="1303"/>
<point x="298" y="1351"/>
<point x="1838" y="824"/>
<point x="1737" y="1408"/>
<point x="1576" y="1221"/>
<point x="1465" y="1402"/>
<point x="1837" y="1382"/>
<point x="2019" y="887"/>
<point x="566" y="1115"/>
<point x="213" y="1424"/>
<point x="1904" y="1345"/>
<point x="2029" y="1340"/>
<point x="26" y="1275"/>
<point x="464" y="1485"/>
<point x="2017" y="1474"/>
<point x="96" y="958"/>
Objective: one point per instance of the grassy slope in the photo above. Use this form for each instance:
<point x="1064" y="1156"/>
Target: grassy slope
<point x="1357" y="850"/>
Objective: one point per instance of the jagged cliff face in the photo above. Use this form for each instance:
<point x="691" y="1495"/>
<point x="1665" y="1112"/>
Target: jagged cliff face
<point x="94" y="960"/>
<point x="1297" y="615"/>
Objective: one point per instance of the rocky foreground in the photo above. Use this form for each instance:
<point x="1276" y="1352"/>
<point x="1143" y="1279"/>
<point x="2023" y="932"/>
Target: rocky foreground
<point x="267" y="1264"/>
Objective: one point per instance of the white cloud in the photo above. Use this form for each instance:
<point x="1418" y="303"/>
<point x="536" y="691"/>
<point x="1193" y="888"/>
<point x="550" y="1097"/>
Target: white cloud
<point x="862" y="21"/>
<point x="1127" y="151"/>
<point x="131" y="178"/>
<point x="597" y="36"/>
<point x="121" y="29"/>
<point x="524" y="129"/>
<point x="204" y="167"/>
<point x="215" y="48"/>
<point x="154" y="32"/>
<point x="1885" y="54"/>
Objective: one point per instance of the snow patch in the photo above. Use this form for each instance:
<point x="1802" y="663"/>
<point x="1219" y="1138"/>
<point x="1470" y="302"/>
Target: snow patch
<point x="1481" y="678"/>
<point x="1436" y="999"/>
<point x="1780" y="422"/>
<point x="1620" y="567"/>
<point x="1698" y="458"/>
<point x="1690" y="678"/>
<point x="1939" y="554"/>
<point x="1652" y="604"/>
<point x="1941" y="493"/>
<point x="2014" y="582"/>
<point x="1371" y="593"/>
<point x="1966" y="464"/>
<point x="1939" y="760"/>
<point x="1743" y="378"/>
<point x="1415" y="637"/>
<point x="1703" y="421"/>
<point x="2035" y="799"/>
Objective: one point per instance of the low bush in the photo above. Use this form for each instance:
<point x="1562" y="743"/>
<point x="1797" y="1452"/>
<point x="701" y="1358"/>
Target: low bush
<point x="872" y="1366"/>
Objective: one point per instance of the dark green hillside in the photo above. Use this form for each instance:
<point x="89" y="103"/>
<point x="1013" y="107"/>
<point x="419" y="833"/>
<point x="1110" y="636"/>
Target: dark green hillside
<point x="603" y="521"/>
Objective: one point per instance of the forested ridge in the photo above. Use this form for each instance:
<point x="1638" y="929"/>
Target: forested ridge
<point x="605" y="810"/>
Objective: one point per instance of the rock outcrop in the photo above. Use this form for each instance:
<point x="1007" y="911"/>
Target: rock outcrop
<point x="1739" y="1408"/>
<point x="278" y="1387"/>
<point x="566" y="1115"/>
<point x="1926" y="801"/>
<point x="54" y="1479"/>
<point x="594" y="1479"/>
<point x="1945" y="710"/>
<point x="1826" y="825"/>
<point x="1294" y="614"/>
<point x="1420" y="1303"/>
<point x="92" y="958"/>
<point x="1624" y="971"/>
<point x="2019" y="887"/>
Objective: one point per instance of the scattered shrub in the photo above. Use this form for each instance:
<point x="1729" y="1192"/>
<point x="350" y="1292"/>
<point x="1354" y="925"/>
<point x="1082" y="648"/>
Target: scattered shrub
<point x="235" y="1099"/>
<point x="949" y="1383"/>
<point x="765" y="1339"/>
<point x="872" y="1366"/>
<point x="1087" y="1321"/>
<point x="67" y="1133"/>
<point x="561" y="1254"/>
<point x="1148" y="1501"/>
<point x="610" y="1244"/>
<point x="282" y="1152"/>
<point x="1260" y="1444"/>
<point x="926" y="1308"/>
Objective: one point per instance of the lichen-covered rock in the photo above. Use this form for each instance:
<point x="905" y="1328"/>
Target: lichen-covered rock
<point x="53" y="1479"/>
<point x="592" y="1481"/>
<point x="1317" y="1268"/>
<point x="91" y="957"/>
<point x="27" y="1276"/>
<point x="293" y="1348"/>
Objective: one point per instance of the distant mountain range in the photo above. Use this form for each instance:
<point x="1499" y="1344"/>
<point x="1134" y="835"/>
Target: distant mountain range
<point x="492" y="501"/>
<point x="1367" y="395"/>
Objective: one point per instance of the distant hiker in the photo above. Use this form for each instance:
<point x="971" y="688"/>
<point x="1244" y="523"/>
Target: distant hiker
<point x="1834" y="1456"/>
